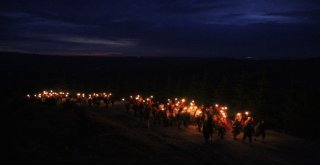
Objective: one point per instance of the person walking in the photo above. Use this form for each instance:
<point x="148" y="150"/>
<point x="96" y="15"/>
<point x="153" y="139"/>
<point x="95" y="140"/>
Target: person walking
<point x="260" y="129"/>
<point x="248" y="131"/>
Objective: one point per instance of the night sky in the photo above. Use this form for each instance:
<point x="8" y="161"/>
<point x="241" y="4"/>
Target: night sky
<point x="176" y="28"/>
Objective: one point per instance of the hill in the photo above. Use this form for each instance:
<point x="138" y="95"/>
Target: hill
<point x="42" y="134"/>
<point x="283" y="92"/>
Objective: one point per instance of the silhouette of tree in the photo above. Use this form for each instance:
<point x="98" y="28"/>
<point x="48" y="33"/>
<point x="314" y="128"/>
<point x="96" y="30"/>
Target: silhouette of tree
<point x="261" y="98"/>
<point x="220" y="92"/>
<point x="241" y="96"/>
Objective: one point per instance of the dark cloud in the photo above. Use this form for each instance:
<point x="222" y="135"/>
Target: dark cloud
<point x="313" y="15"/>
<point x="266" y="29"/>
<point x="194" y="6"/>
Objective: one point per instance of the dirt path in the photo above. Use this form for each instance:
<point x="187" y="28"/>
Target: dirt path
<point x="84" y="135"/>
<point x="188" y="144"/>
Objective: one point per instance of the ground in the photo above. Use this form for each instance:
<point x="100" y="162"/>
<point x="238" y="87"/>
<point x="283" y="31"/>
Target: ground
<point x="42" y="134"/>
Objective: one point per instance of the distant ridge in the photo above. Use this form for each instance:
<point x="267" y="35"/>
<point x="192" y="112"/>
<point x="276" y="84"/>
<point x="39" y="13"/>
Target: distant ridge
<point x="12" y="54"/>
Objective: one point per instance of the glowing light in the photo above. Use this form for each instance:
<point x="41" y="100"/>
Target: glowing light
<point x="198" y="113"/>
<point x="123" y="99"/>
<point x="217" y="105"/>
<point x="247" y="113"/>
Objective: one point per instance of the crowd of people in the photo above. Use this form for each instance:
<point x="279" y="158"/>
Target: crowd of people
<point x="209" y="120"/>
<point x="170" y="113"/>
<point x="248" y="126"/>
<point x="91" y="99"/>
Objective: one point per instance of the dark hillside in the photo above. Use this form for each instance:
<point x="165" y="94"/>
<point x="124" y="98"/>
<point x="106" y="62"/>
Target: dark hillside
<point x="283" y="92"/>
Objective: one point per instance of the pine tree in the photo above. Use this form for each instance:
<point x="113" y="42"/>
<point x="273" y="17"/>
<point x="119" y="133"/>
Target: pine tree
<point x="220" y="93"/>
<point x="260" y="98"/>
<point x="241" y="98"/>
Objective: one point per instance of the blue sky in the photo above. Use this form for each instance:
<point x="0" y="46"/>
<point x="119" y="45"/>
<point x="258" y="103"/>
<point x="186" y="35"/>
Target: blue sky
<point x="197" y="28"/>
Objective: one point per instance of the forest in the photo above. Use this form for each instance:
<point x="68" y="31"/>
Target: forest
<point x="284" y="93"/>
